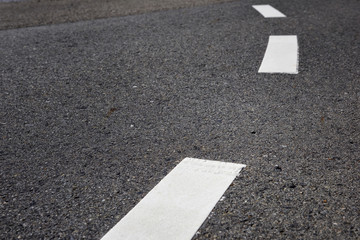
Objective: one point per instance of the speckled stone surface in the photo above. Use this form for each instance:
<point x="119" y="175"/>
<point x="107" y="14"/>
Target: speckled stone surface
<point x="94" y="114"/>
<point x="27" y="13"/>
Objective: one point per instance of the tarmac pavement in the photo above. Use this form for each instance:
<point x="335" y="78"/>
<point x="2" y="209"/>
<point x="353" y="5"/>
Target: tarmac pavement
<point x="27" y="13"/>
<point x="95" y="113"/>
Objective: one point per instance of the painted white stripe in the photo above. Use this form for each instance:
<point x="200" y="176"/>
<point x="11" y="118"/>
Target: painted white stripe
<point x="177" y="206"/>
<point x="281" y="55"/>
<point x="268" y="11"/>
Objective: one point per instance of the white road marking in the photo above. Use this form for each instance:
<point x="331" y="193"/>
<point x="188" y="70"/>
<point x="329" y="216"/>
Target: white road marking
<point x="281" y="55"/>
<point x="177" y="206"/>
<point x="268" y="11"/>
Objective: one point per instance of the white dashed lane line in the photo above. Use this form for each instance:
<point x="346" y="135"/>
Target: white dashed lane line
<point x="177" y="206"/>
<point x="281" y="55"/>
<point x="268" y="11"/>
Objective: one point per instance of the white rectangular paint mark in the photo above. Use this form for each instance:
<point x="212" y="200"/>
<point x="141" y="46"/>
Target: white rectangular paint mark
<point x="281" y="55"/>
<point x="177" y="206"/>
<point x="268" y="11"/>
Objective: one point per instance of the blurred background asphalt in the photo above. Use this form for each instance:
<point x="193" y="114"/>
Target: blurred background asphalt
<point x="26" y="13"/>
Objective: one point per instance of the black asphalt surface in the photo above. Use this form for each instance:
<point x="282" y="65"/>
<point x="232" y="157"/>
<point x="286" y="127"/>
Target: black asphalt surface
<point x="94" y="114"/>
<point x="29" y="13"/>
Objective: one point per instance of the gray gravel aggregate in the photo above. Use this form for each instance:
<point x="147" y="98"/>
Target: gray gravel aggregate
<point x="95" y="113"/>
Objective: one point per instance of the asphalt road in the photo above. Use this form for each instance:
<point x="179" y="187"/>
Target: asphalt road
<point x="27" y="13"/>
<point x="95" y="113"/>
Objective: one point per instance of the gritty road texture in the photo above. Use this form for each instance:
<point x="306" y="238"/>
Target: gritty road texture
<point x="43" y="12"/>
<point x="94" y="114"/>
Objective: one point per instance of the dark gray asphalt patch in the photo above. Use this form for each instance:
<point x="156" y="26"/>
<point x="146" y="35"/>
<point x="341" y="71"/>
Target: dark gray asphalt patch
<point x="184" y="83"/>
<point x="44" y="12"/>
<point x="13" y="0"/>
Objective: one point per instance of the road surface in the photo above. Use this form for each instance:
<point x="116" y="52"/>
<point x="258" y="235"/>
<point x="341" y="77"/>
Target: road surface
<point x="95" y="113"/>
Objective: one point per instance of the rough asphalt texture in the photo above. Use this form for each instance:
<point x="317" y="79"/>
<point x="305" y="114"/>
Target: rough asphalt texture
<point x="94" y="114"/>
<point x="43" y="12"/>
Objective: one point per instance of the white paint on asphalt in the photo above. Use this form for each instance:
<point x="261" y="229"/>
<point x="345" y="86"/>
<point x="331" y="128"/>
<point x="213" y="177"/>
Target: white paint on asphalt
<point x="281" y="55"/>
<point x="177" y="206"/>
<point x="268" y="11"/>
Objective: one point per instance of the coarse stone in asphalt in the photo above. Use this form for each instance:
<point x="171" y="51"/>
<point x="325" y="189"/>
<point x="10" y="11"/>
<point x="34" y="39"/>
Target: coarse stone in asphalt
<point x="94" y="114"/>
<point x="27" y="13"/>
